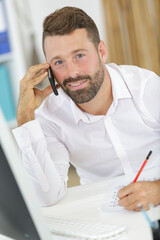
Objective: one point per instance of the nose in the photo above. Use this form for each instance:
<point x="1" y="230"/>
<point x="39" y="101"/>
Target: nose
<point x="73" y="70"/>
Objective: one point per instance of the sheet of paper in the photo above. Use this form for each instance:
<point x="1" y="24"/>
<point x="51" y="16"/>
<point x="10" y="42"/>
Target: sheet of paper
<point x="110" y="201"/>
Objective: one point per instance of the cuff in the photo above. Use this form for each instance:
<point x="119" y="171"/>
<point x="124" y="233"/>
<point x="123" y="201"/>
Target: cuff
<point x="28" y="133"/>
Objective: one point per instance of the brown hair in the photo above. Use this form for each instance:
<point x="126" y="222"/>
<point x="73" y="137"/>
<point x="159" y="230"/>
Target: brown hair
<point x="65" y="20"/>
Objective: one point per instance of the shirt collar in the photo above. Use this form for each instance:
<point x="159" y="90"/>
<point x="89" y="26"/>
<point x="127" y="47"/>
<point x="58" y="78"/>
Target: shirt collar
<point x="78" y="114"/>
<point x="119" y="88"/>
<point x="119" y="91"/>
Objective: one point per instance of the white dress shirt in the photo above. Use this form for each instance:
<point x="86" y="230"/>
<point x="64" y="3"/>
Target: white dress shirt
<point x="99" y="147"/>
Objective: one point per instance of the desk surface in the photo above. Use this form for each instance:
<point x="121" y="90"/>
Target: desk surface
<point x="83" y="202"/>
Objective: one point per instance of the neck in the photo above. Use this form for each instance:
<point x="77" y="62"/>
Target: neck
<point x="100" y="104"/>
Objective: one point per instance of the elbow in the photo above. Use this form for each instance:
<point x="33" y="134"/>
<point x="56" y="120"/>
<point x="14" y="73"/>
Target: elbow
<point x="52" y="196"/>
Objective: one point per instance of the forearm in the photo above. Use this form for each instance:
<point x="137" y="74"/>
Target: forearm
<point x="24" y="116"/>
<point x="49" y="184"/>
<point x="48" y="176"/>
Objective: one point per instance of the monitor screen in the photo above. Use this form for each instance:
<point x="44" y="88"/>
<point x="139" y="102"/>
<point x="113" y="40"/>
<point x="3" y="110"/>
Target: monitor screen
<point x="15" y="220"/>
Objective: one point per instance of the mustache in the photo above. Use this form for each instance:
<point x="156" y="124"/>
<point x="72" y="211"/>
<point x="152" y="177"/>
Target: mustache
<point x="70" y="80"/>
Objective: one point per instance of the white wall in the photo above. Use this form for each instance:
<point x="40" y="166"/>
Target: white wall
<point x="19" y="60"/>
<point x="41" y="8"/>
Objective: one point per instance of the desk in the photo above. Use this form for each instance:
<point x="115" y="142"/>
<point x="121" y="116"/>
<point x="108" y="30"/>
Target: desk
<point x="83" y="202"/>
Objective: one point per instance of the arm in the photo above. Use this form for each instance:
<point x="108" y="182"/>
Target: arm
<point x="149" y="100"/>
<point x="45" y="160"/>
<point x="44" y="157"/>
<point x="140" y="192"/>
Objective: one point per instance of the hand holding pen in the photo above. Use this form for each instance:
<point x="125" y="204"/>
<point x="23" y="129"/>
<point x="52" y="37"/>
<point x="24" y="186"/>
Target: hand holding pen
<point x="143" y="192"/>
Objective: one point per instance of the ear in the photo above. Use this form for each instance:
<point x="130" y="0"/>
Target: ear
<point x="102" y="51"/>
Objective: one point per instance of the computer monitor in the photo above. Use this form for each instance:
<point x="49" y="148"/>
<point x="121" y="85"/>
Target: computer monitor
<point x="20" y="216"/>
<point x="15" y="220"/>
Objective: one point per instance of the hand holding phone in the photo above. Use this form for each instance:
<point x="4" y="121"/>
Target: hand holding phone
<point x="52" y="81"/>
<point x="30" y="98"/>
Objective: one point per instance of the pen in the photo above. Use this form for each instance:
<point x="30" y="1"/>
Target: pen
<point x="145" y="161"/>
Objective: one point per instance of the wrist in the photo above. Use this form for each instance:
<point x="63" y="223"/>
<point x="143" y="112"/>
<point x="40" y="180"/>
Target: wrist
<point x="24" y="117"/>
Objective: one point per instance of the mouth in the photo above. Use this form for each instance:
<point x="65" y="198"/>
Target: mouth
<point x="77" y="85"/>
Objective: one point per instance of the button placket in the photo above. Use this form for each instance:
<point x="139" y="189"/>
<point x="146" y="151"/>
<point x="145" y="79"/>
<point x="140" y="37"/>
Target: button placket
<point x="121" y="153"/>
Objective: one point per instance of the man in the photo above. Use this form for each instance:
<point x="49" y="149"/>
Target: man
<point x="104" y="121"/>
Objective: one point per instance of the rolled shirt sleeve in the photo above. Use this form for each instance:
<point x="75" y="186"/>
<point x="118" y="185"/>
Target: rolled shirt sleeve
<point x="46" y="161"/>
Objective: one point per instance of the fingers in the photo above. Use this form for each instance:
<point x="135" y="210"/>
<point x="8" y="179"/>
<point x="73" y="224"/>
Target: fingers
<point x="134" y="206"/>
<point x="47" y="91"/>
<point x="127" y="200"/>
<point x="126" y="191"/>
<point x="34" y="71"/>
<point x="130" y="202"/>
<point x="35" y="75"/>
<point x="142" y="193"/>
<point x="29" y="97"/>
<point x="129" y="197"/>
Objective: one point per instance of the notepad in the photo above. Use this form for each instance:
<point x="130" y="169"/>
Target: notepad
<point x="110" y="201"/>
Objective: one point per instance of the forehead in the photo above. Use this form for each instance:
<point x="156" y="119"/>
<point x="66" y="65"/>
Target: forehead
<point x="63" y="44"/>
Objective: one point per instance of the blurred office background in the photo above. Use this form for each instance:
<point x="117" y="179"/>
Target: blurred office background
<point x="130" y="29"/>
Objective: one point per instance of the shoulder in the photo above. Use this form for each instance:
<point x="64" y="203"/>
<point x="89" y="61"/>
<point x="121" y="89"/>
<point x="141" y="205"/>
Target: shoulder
<point x="137" y="79"/>
<point x="144" y="87"/>
<point x="138" y="74"/>
<point x="134" y="74"/>
<point x="141" y="80"/>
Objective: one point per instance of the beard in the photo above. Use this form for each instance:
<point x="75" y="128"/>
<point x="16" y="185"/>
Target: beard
<point x="88" y="93"/>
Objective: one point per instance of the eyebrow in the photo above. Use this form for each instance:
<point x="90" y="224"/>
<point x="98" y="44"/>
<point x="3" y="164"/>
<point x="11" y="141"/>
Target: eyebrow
<point x="73" y="52"/>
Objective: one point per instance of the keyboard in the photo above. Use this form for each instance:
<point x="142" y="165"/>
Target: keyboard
<point x="63" y="229"/>
<point x="83" y="230"/>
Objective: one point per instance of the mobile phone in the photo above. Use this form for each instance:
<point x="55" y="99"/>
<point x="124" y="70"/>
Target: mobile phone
<point x="52" y="81"/>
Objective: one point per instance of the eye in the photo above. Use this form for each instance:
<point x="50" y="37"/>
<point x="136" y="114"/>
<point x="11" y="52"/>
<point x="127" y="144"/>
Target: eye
<point x="79" y="55"/>
<point x="59" y="62"/>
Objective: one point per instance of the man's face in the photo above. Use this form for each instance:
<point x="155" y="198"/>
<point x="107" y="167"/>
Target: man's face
<point x="76" y="64"/>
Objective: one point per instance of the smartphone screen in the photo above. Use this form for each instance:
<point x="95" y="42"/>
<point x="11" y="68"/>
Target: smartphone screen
<point x="52" y="81"/>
